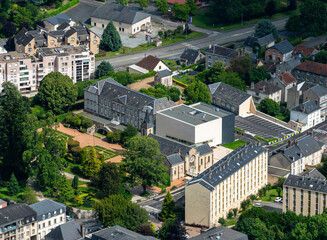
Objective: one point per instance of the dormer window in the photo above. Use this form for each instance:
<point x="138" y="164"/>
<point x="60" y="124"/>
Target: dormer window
<point x="43" y="217"/>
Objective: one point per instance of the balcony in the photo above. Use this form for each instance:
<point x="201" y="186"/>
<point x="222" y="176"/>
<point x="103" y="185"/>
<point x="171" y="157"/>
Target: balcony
<point x="9" y="229"/>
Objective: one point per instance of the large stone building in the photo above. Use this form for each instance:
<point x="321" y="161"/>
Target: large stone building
<point x="50" y="214"/>
<point x="223" y="186"/>
<point x="26" y="71"/>
<point x="30" y="41"/>
<point x="312" y="72"/>
<point x="231" y="99"/>
<point x="127" y="19"/>
<point x="304" y="195"/>
<point x="280" y="52"/>
<point x="264" y="89"/>
<point x="121" y="105"/>
<point x="18" y="221"/>
<point x="196" y="124"/>
<point x="307" y="114"/>
<point x="218" y="53"/>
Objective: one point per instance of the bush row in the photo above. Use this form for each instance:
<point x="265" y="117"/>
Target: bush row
<point x="64" y="7"/>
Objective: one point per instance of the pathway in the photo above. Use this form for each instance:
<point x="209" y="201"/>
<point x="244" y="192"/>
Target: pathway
<point x="71" y="176"/>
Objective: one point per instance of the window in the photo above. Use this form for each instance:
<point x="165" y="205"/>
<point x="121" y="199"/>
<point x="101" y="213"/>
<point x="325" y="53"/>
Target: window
<point x="95" y="41"/>
<point x="102" y="25"/>
<point x="55" y="220"/>
<point x="60" y="219"/>
<point x="95" y="24"/>
<point x="49" y="223"/>
<point x="43" y="225"/>
<point x="72" y="39"/>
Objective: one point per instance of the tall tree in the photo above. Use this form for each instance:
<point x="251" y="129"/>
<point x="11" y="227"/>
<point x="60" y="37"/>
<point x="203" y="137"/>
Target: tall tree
<point x="111" y="41"/>
<point x="314" y="15"/>
<point x="172" y="229"/>
<point x="270" y="8"/>
<point x="143" y="162"/>
<point x="108" y="181"/>
<point x="66" y="192"/>
<point x="256" y="75"/>
<point x="162" y="6"/>
<point x="29" y="196"/>
<point x="209" y="76"/>
<point x="17" y="132"/>
<point x="265" y="27"/>
<point x="269" y="106"/>
<point x="232" y="79"/>
<point x="92" y="164"/>
<point x="57" y="92"/>
<point x="241" y="65"/>
<point x="181" y="11"/>
<point x="13" y="187"/>
<point x="294" y="24"/>
<point x="321" y="57"/>
<point x="197" y="92"/>
<point x="129" y="132"/>
<point x="292" y="5"/>
<point x="192" y="5"/>
<point x="168" y="207"/>
<point x="103" y="68"/>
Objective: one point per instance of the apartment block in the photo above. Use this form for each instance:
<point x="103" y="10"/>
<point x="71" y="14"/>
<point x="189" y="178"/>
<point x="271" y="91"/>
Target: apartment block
<point x="18" y="222"/>
<point x="27" y="71"/>
<point x="312" y="72"/>
<point x="223" y="186"/>
<point x="304" y="195"/>
<point x="50" y="214"/>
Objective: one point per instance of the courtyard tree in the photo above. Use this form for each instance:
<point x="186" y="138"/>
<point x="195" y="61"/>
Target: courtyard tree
<point x="129" y="132"/>
<point x="162" y="6"/>
<point x="103" y="68"/>
<point x="57" y="92"/>
<point x="168" y="207"/>
<point x="13" y="187"/>
<point x="172" y="229"/>
<point x="265" y="27"/>
<point x="111" y="41"/>
<point x="143" y="162"/>
<point x="197" y="92"/>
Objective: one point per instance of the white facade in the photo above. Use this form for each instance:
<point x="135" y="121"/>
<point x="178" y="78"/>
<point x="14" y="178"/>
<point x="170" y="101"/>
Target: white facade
<point x="314" y="159"/>
<point x="50" y="222"/>
<point x="308" y="120"/>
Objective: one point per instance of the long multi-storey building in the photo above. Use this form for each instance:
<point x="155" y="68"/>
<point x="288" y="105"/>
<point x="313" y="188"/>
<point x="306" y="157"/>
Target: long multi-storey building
<point x="18" y="222"/>
<point x="27" y="71"/>
<point x="223" y="186"/>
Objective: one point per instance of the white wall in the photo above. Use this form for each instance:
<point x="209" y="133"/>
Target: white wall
<point x="50" y="224"/>
<point x="309" y="120"/>
<point x="161" y="66"/>
<point x="210" y="132"/>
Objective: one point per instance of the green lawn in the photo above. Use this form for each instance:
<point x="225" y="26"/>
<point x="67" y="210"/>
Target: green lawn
<point x="231" y="221"/>
<point x="265" y="140"/>
<point x="186" y="78"/>
<point x="106" y="152"/>
<point x="272" y="193"/>
<point x="4" y="194"/>
<point x="234" y="145"/>
<point x="99" y="135"/>
<point x="64" y="135"/>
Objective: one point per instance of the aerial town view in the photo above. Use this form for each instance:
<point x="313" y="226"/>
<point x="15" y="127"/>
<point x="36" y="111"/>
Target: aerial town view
<point x="163" y="119"/>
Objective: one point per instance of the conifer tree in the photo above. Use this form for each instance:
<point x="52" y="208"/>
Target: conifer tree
<point x="111" y="41"/>
<point x="168" y="207"/>
<point x="13" y="187"/>
<point x="91" y="165"/>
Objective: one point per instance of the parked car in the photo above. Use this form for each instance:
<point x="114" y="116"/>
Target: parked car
<point x="68" y="218"/>
<point x="257" y="205"/>
<point x="278" y="199"/>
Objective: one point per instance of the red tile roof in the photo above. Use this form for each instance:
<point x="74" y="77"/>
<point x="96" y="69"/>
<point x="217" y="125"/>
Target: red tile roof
<point x="306" y="51"/>
<point x="176" y="1"/>
<point x="313" y="67"/>
<point x="149" y="62"/>
<point x="287" y="78"/>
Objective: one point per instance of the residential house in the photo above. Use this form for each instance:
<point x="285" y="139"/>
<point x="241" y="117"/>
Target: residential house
<point x="220" y="233"/>
<point x="18" y="221"/>
<point x="318" y="95"/>
<point x="147" y="64"/>
<point x="196" y="124"/>
<point x="121" y="105"/>
<point x="308" y="114"/>
<point x="305" y="151"/>
<point x="191" y="56"/>
<point x="222" y="187"/>
<point x="304" y="195"/>
<point x="126" y="19"/>
<point x="270" y="67"/>
<point x="164" y="77"/>
<point x="3" y="204"/>
<point x="264" y="89"/>
<point x="218" y="53"/>
<point x="280" y="52"/>
<point x="184" y="160"/>
<point x="311" y="72"/>
<point x="313" y="173"/>
<point x="288" y="66"/>
<point x="68" y="231"/>
<point x="231" y="99"/>
<point x="285" y="82"/>
<point x="301" y="51"/>
<point x="257" y="45"/>
<point x="295" y="94"/>
<point x="50" y="214"/>
<point x="52" y="23"/>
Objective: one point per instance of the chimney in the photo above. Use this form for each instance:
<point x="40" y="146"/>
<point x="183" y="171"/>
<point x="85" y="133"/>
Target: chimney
<point x="289" y="143"/>
<point x="83" y="231"/>
<point x="263" y="88"/>
<point x="303" y="108"/>
<point x="179" y="151"/>
<point x="228" y="163"/>
<point x="297" y="142"/>
<point x="252" y="85"/>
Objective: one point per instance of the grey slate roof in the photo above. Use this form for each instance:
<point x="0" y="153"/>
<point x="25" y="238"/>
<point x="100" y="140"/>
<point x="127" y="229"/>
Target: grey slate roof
<point x="63" y="26"/>
<point x="23" y="37"/>
<point x="67" y="231"/>
<point x="228" y="93"/>
<point x="306" y="107"/>
<point x="263" y="41"/>
<point x="222" y="233"/>
<point x="175" y="159"/>
<point x="249" y="41"/>
<point x="190" y="54"/>
<point x="48" y="206"/>
<point x="227" y="166"/>
<point x="314" y="184"/>
<point x="265" y="88"/>
<point x="314" y="173"/>
<point x="277" y="171"/>
<point x="119" y="13"/>
<point x="164" y="73"/>
<point x="119" y="233"/>
<point x="59" y="19"/>
<point x="319" y="91"/>
<point x="16" y="212"/>
<point x="284" y="47"/>
<point x="222" y="51"/>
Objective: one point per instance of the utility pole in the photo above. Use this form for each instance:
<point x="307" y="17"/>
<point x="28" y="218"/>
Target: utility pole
<point x="242" y="19"/>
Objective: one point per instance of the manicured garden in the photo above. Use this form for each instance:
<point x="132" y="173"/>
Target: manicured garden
<point x="235" y="144"/>
<point x="104" y="151"/>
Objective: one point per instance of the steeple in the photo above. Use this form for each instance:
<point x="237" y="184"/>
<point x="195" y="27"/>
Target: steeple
<point x="147" y="125"/>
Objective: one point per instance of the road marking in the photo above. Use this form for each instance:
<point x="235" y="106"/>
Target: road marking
<point x="238" y="34"/>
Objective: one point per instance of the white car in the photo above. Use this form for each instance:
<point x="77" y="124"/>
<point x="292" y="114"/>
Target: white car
<point x="278" y="199"/>
<point x="257" y="205"/>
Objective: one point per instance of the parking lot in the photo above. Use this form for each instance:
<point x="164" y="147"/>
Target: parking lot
<point x="261" y="127"/>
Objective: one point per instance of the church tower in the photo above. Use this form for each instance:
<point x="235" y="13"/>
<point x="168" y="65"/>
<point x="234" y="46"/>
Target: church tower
<point x="147" y="125"/>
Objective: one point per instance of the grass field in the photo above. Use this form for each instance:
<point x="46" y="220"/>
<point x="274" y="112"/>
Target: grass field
<point x="235" y="144"/>
<point x="270" y="196"/>
<point x="186" y="78"/>
<point x="106" y="152"/>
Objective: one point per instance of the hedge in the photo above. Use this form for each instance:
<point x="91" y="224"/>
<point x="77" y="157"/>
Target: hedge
<point x="64" y="7"/>
<point x="180" y="83"/>
<point x="143" y="76"/>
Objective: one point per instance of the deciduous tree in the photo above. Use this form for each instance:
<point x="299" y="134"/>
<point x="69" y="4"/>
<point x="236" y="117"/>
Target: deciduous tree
<point x="111" y="41"/>
<point x="143" y="3"/>
<point x="294" y="24"/>
<point x="314" y="15"/>
<point x="129" y="132"/>
<point x="29" y="196"/>
<point x="172" y="229"/>
<point x="321" y="57"/>
<point x="197" y="92"/>
<point x="181" y="11"/>
<point x="192" y="5"/>
<point x="162" y="6"/>
<point x="269" y="106"/>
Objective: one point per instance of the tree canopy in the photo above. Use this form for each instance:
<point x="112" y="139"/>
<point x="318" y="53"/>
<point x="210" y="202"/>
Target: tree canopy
<point x="91" y="164"/>
<point x="168" y="207"/>
<point x="265" y="27"/>
<point x="111" y="41"/>
<point x="269" y="107"/>
<point x="313" y="16"/>
<point x="172" y="229"/>
<point x="181" y="11"/>
<point x="162" y="6"/>
<point x="197" y="92"/>
<point x="103" y="68"/>
<point x="321" y="57"/>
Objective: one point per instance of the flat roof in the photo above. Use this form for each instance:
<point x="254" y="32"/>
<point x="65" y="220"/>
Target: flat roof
<point x="189" y="114"/>
<point x="214" y="110"/>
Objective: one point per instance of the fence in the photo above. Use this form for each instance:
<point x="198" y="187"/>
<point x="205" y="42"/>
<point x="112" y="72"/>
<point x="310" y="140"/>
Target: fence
<point x="284" y="138"/>
<point x="180" y="83"/>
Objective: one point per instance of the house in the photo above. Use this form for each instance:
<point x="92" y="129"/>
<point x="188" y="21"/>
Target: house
<point x="121" y="105"/>
<point x="307" y="114"/>
<point x="218" y="53"/>
<point x="301" y="51"/>
<point x="196" y="124"/>
<point x="280" y="52"/>
<point x="50" y="214"/>
<point x="147" y="64"/>
<point x="311" y="72"/>
<point x="220" y="233"/>
<point x="285" y="82"/>
<point x="191" y="56"/>
<point x="164" y="77"/>
<point x="52" y="23"/>
<point x="224" y="185"/>
<point x="257" y="45"/>
<point x="295" y="94"/>
<point x="126" y="19"/>
<point x="264" y="89"/>
<point x="68" y="231"/>
<point x="288" y="66"/>
<point x="231" y="99"/>
<point x="295" y="157"/>
<point x="304" y="195"/>
<point x="318" y="95"/>
<point x="119" y="233"/>
<point x="18" y="220"/>
<point x="3" y="204"/>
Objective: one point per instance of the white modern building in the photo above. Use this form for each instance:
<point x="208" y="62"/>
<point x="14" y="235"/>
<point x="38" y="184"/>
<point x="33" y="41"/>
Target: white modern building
<point x="50" y="214"/>
<point x="307" y="114"/>
<point x="196" y="124"/>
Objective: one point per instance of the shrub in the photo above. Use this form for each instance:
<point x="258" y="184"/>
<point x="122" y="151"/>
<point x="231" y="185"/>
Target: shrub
<point x="73" y="144"/>
<point x="229" y="215"/>
<point x="83" y="130"/>
<point x="87" y="123"/>
<point x="75" y="151"/>
<point x="221" y="221"/>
